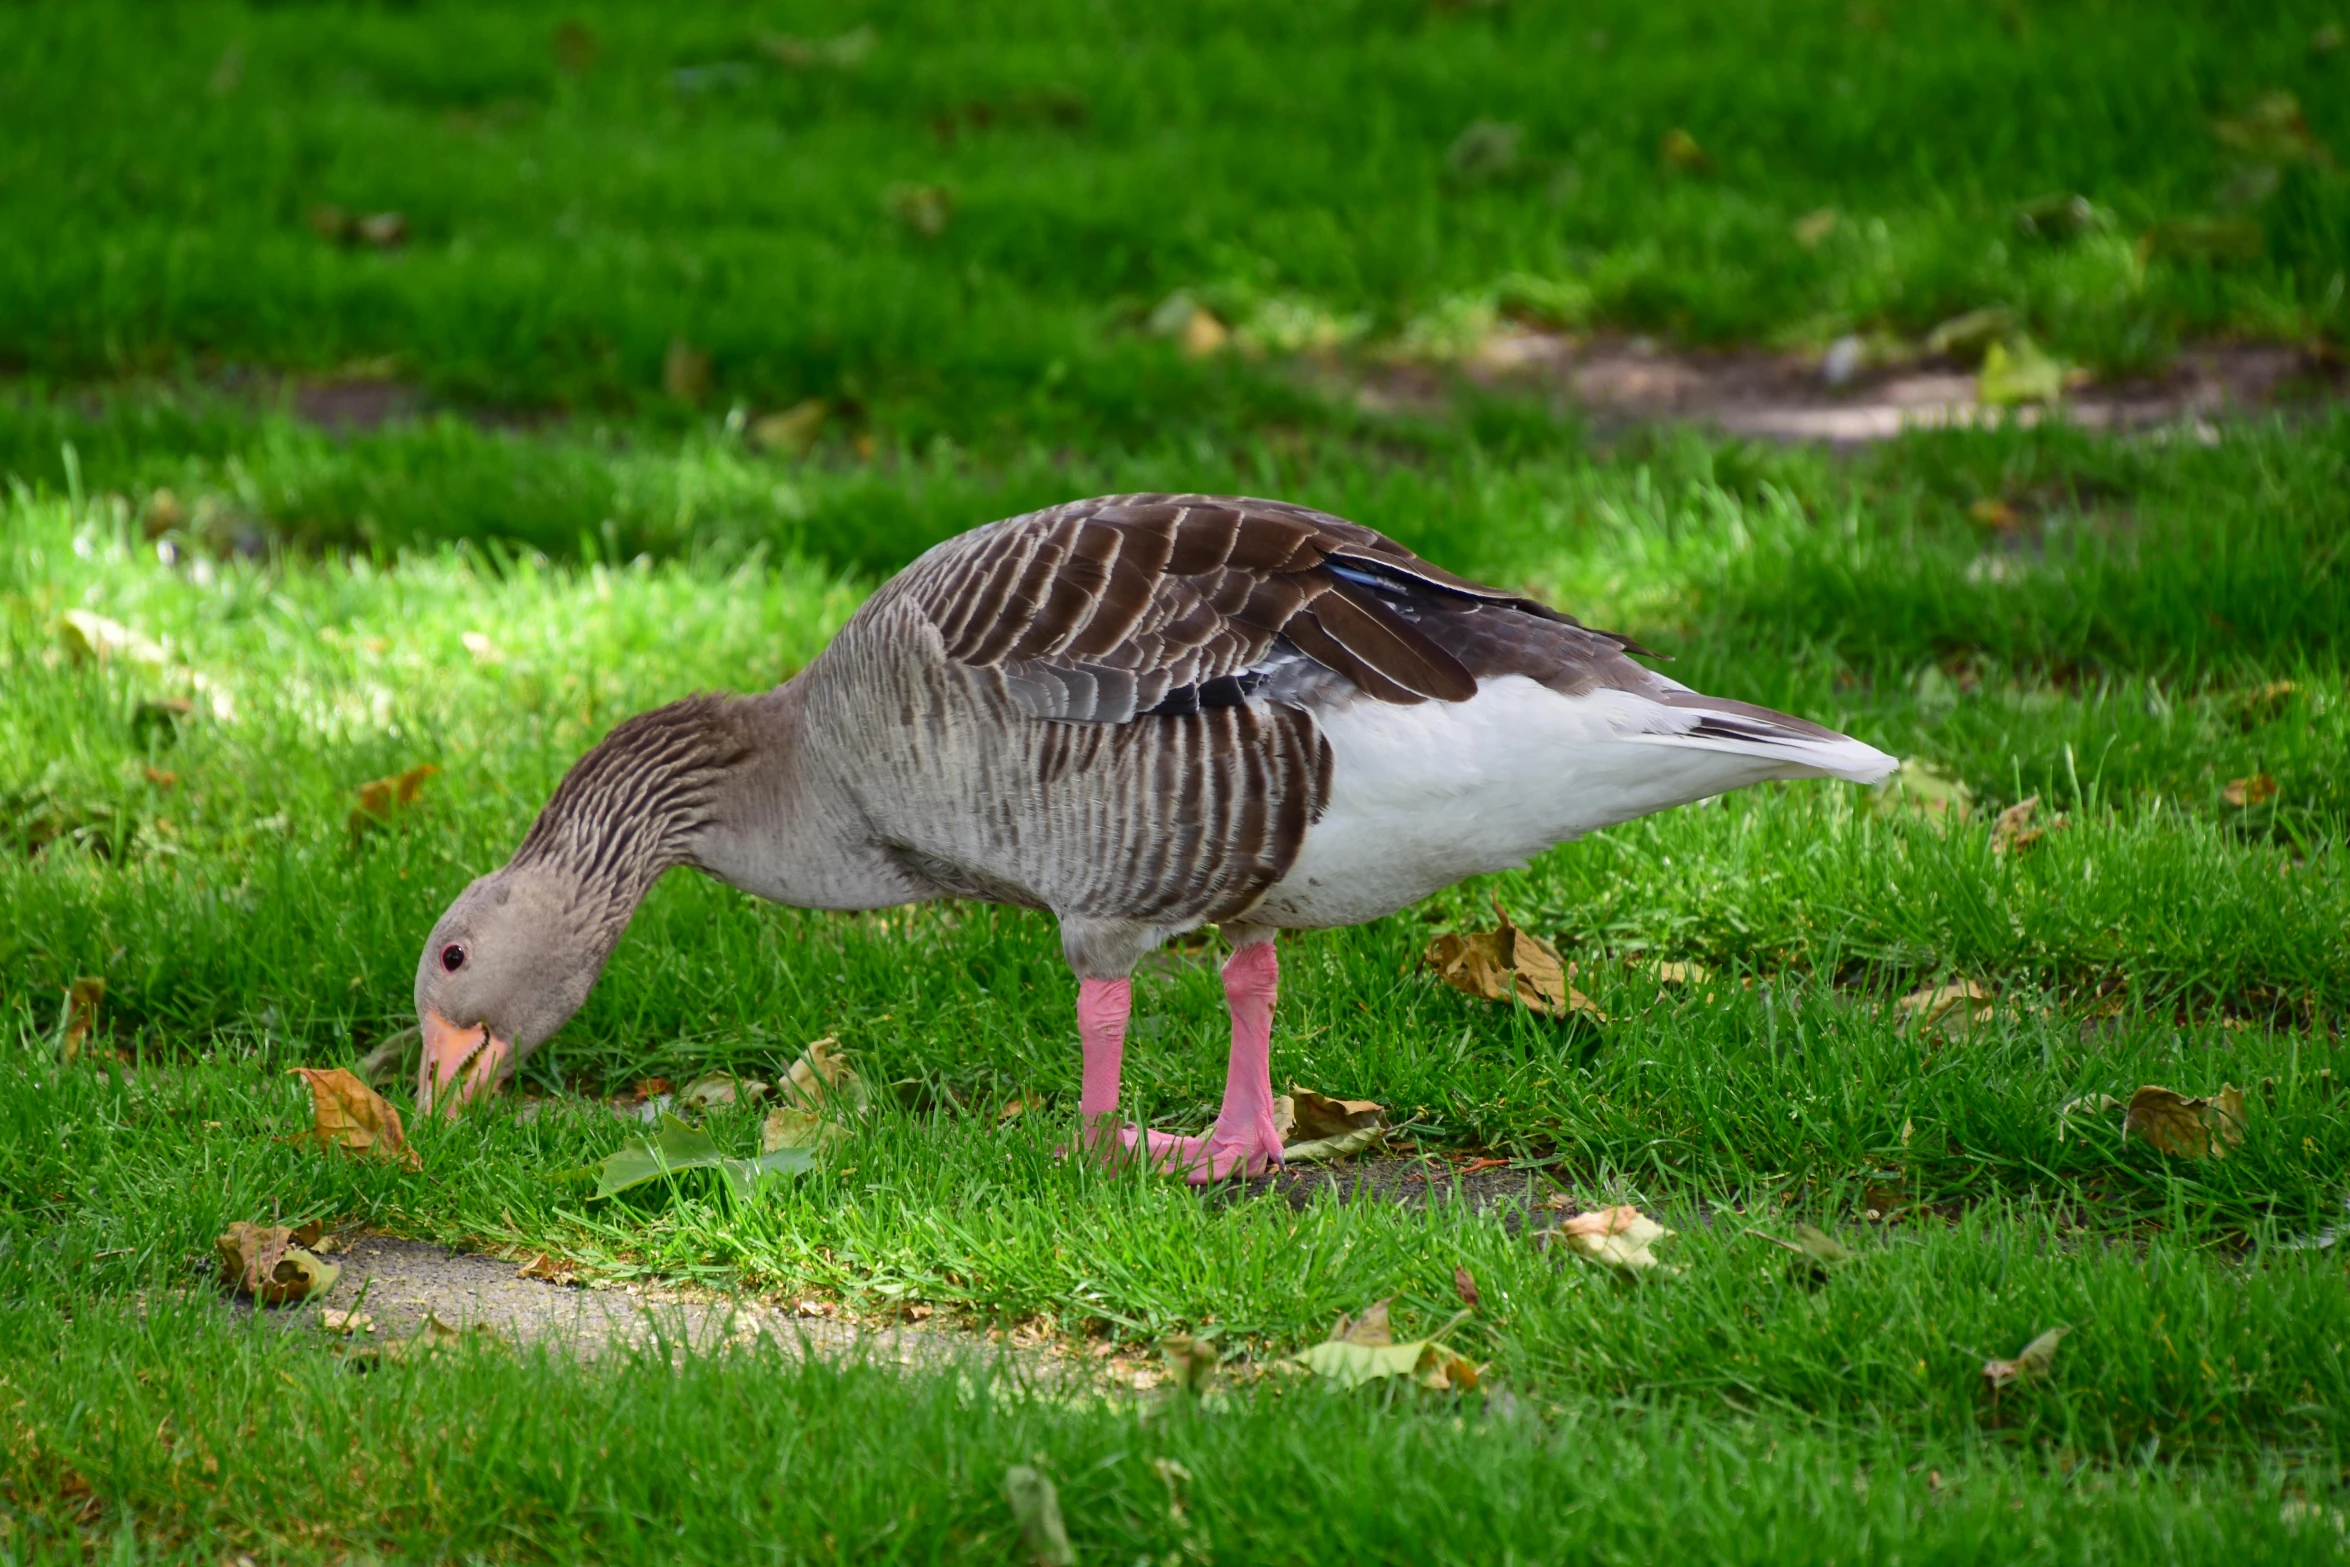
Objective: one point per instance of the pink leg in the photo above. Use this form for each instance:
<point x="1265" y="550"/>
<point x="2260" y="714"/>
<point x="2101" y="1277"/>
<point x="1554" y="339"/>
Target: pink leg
<point x="1243" y="1141"/>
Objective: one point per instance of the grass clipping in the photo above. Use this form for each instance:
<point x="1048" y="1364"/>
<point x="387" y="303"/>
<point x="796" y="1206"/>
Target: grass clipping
<point x="1505" y="964"/>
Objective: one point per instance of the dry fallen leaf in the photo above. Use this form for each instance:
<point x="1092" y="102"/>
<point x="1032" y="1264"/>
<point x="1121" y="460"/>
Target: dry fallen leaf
<point x="2032" y="1361"/>
<point x="382" y="798"/>
<point x="1682" y="973"/>
<point x="1464" y="1284"/>
<point x="685" y="371"/>
<point x="261" y="1260"/>
<point x="1192" y="1359"/>
<point x="1363" y="1349"/>
<point x="794" y="431"/>
<point x="2184" y="1128"/>
<point x="1191" y="324"/>
<point x="1680" y="149"/>
<point x="347" y="1114"/>
<point x="1617" y="1237"/>
<point x="2085" y="1105"/>
<point x="818" y="1081"/>
<point x="2242" y="793"/>
<point x="713" y="1089"/>
<point x="346" y="1322"/>
<point x="923" y="209"/>
<point x="83" y="998"/>
<point x="1953" y="1007"/>
<point x="2013" y="831"/>
<point x="1036" y="1507"/>
<point x="551" y="1269"/>
<point x="1315" y="1128"/>
<point x="1817" y="1251"/>
<point x="1813" y="227"/>
<point x="1506" y="963"/>
<point x="1923" y="787"/>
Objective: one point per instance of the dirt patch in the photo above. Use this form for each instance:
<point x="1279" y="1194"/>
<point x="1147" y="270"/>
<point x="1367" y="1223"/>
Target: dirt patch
<point x="1617" y="381"/>
<point x="1506" y="1192"/>
<point x="397" y="1284"/>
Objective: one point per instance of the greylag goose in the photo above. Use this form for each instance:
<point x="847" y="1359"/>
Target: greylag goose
<point x="1144" y="713"/>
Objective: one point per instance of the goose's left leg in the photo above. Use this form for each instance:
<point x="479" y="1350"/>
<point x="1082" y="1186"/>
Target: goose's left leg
<point x="1243" y="1140"/>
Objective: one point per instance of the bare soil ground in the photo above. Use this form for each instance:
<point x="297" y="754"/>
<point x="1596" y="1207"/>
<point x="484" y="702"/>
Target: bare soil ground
<point x="1618" y="381"/>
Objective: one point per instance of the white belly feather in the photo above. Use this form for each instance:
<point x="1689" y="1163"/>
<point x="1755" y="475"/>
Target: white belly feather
<point x="1423" y="796"/>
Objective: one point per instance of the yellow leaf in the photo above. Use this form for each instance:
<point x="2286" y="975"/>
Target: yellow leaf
<point x="2184" y="1128"/>
<point x="347" y="1114"/>
<point x="2017" y="371"/>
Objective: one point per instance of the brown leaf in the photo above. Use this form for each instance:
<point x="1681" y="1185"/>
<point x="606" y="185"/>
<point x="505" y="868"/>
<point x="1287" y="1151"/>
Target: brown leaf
<point x="1814" y="227"/>
<point x="713" y="1089"/>
<point x="793" y="431"/>
<point x="382" y="798"/>
<point x="1953" y="1007"/>
<point x="1464" y="1284"/>
<point x="1506" y="963"/>
<point x="1192" y="1360"/>
<point x="1315" y="1128"/>
<point x="261" y="1260"/>
<point x="818" y="1082"/>
<point x="83" y="998"/>
<point x="347" y="1114"/>
<point x="685" y="371"/>
<point x="543" y="1266"/>
<point x="2242" y="793"/>
<point x="1617" y="1237"/>
<point x="1680" y="149"/>
<point x="1992" y="512"/>
<point x="2184" y="1128"/>
<point x="2032" y="1361"/>
<point x="1370" y="1328"/>
<point x="383" y="230"/>
<point x="923" y="209"/>
<point x="2013" y="831"/>
<point x="576" y="46"/>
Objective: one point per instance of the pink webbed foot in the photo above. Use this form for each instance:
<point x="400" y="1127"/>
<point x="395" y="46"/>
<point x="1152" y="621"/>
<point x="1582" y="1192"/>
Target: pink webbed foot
<point x="1201" y="1160"/>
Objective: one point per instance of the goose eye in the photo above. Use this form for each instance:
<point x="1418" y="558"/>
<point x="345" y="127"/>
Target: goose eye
<point x="452" y="957"/>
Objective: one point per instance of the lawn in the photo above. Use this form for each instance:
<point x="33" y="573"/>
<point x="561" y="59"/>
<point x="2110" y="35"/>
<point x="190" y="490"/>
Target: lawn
<point x="219" y="621"/>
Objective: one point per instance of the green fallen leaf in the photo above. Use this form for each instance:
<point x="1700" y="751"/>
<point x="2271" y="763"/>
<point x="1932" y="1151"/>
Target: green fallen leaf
<point x="1037" y="1508"/>
<point x="1364" y="1350"/>
<point x="678" y="1146"/>
<point x="2017" y="371"/>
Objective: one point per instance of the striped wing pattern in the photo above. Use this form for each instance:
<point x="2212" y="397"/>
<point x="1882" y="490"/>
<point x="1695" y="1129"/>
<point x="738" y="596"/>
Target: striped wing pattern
<point x="1105" y="610"/>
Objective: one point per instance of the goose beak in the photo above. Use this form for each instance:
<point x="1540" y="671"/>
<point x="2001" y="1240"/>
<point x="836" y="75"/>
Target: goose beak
<point x="459" y="1064"/>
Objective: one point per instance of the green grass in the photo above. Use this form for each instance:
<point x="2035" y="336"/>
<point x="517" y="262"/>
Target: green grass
<point x="1309" y="174"/>
<point x="557" y="542"/>
<point x="2123" y="672"/>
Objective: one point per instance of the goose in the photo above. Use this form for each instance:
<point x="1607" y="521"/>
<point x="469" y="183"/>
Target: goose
<point x="1144" y="714"/>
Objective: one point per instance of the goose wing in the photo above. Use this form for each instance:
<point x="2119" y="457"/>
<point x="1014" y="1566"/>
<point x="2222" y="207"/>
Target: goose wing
<point x="1105" y="610"/>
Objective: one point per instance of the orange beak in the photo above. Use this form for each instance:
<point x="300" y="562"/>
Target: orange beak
<point x="459" y="1064"/>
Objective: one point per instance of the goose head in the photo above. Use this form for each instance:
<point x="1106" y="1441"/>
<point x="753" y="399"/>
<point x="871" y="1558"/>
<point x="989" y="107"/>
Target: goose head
<point x="509" y="963"/>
